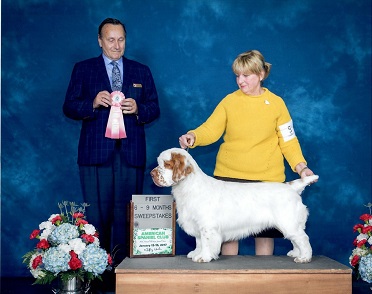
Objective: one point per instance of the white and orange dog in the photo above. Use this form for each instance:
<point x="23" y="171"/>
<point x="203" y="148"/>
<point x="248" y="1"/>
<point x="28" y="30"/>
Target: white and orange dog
<point x="215" y="211"/>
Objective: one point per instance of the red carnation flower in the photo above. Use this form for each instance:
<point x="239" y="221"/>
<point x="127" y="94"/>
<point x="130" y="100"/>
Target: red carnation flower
<point x="74" y="263"/>
<point x="366" y="230"/>
<point x="73" y="254"/>
<point x="78" y="215"/>
<point x="88" y="238"/>
<point x="56" y="219"/>
<point x="365" y="217"/>
<point x="361" y="243"/>
<point x="34" y="234"/>
<point x="37" y="261"/>
<point x="355" y="260"/>
<point x="81" y="222"/>
<point x="356" y="227"/>
<point x="109" y="259"/>
<point x="43" y="244"/>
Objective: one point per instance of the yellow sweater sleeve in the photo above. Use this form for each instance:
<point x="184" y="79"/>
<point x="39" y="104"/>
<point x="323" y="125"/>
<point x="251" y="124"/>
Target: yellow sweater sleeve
<point x="288" y="140"/>
<point x="212" y="129"/>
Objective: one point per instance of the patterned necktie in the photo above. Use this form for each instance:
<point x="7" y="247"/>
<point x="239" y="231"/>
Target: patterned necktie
<point x="116" y="78"/>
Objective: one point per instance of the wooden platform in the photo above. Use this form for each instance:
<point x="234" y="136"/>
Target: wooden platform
<point x="232" y="275"/>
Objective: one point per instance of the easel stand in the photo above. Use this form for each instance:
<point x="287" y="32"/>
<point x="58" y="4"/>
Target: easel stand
<point x="152" y="226"/>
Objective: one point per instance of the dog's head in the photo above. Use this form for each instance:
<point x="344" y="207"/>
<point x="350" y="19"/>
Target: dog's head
<point x="174" y="165"/>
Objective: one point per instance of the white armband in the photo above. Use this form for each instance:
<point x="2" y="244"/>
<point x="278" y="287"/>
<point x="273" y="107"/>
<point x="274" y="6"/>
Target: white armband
<point x="287" y="131"/>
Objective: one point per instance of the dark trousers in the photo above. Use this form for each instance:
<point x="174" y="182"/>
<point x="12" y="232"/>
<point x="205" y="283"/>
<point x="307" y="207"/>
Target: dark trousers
<point x="108" y="188"/>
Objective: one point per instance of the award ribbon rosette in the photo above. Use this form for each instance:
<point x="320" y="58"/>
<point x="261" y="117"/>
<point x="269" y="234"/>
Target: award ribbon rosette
<point x="115" y="128"/>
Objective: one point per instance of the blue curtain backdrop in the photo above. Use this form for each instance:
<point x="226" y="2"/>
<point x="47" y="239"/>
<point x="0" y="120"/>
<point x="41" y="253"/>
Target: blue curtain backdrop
<point x="321" y="57"/>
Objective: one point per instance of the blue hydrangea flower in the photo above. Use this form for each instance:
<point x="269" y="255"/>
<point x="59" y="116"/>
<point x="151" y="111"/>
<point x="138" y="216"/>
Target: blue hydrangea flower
<point x="94" y="259"/>
<point x="365" y="268"/>
<point x="56" y="260"/>
<point x="63" y="233"/>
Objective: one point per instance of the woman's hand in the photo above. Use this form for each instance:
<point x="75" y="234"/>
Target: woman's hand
<point x="187" y="140"/>
<point x="303" y="171"/>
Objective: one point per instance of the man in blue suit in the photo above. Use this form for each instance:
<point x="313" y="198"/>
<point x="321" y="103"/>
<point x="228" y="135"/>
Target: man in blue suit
<point x="111" y="169"/>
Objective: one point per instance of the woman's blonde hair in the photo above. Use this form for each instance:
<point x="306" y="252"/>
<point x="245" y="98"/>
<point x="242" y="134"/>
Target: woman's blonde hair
<point x="251" y="62"/>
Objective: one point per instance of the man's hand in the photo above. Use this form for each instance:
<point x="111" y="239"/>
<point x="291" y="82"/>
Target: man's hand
<point x="103" y="98"/>
<point x="129" y="106"/>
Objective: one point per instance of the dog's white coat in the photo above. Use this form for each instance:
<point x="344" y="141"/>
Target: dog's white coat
<point x="215" y="211"/>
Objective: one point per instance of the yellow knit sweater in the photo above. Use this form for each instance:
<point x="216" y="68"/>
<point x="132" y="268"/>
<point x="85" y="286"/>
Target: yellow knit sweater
<point x="257" y="132"/>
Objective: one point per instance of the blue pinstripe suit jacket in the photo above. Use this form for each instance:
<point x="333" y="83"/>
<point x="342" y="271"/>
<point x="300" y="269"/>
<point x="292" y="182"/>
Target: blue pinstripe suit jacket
<point x="90" y="77"/>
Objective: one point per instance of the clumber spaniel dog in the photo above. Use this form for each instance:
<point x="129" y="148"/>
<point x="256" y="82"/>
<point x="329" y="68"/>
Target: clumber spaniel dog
<point x="214" y="211"/>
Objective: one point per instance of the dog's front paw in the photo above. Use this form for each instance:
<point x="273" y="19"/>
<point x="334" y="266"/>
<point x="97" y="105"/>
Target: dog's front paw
<point x="191" y="254"/>
<point x="200" y="258"/>
<point x="302" y="259"/>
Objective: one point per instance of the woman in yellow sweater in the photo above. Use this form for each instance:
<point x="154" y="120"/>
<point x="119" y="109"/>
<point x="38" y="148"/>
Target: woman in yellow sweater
<point x="257" y="134"/>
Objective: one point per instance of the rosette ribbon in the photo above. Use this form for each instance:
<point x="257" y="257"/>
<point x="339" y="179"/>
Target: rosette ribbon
<point x="115" y="128"/>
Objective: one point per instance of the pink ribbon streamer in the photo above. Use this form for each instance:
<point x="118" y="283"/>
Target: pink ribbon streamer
<point x="115" y="128"/>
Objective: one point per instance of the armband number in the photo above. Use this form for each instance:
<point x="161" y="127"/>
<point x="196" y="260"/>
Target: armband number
<point x="287" y="131"/>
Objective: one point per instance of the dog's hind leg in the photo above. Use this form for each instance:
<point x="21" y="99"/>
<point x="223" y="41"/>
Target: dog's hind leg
<point x="289" y="234"/>
<point x="295" y="252"/>
<point x="197" y="249"/>
<point x="211" y="242"/>
<point x="301" y="247"/>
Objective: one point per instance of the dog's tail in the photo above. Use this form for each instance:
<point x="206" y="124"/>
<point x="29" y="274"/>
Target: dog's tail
<point x="300" y="184"/>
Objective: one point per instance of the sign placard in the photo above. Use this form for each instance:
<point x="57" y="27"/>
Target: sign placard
<point x="152" y="226"/>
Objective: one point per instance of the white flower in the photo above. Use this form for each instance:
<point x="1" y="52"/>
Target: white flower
<point x="65" y="247"/>
<point x="361" y="237"/>
<point x="370" y="240"/>
<point x="360" y="251"/>
<point x="45" y="234"/>
<point x="52" y="217"/>
<point x="37" y="273"/>
<point x="89" y="229"/>
<point x="47" y="228"/>
<point x="47" y="225"/>
<point x="77" y="245"/>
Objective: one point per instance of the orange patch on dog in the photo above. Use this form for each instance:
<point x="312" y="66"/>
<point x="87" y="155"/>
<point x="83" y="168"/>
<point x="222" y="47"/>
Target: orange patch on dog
<point x="177" y="165"/>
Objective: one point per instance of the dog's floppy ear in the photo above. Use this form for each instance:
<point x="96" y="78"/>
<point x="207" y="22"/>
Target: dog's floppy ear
<point x="179" y="168"/>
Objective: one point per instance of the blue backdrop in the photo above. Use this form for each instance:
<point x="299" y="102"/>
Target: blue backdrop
<point x="321" y="56"/>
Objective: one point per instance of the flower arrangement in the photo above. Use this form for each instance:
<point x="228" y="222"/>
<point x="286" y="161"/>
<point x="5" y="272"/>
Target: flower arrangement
<point x="361" y="257"/>
<point x="68" y="248"/>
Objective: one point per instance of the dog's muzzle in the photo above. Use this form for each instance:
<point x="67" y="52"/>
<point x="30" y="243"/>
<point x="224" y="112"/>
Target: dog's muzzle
<point x="155" y="175"/>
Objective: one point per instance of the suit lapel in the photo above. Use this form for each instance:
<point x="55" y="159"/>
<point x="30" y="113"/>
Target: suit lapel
<point x="126" y="78"/>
